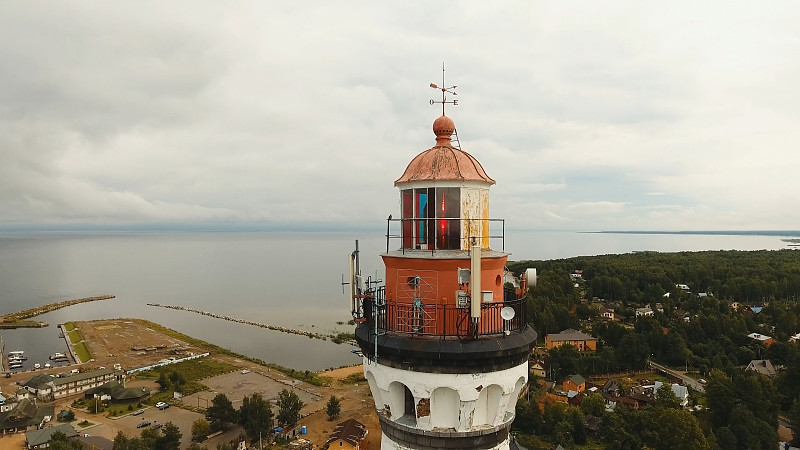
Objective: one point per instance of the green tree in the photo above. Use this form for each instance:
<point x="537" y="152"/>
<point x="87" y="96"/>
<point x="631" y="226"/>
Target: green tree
<point x="148" y="438"/>
<point x="200" y="430"/>
<point x="121" y="441"/>
<point x="170" y="438"/>
<point x="594" y="404"/>
<point x="163" y="381"/>
<point x="529" y="418"/>
<point x="178" y="381"/>
<point x="220" y="413"/>
<point x="60" y="441"/>
<point x="255" y="416"/>
<point x="794" y="420"/>
<point x="333" y="408"/>
<point x="633" y="351"/>
<point x="289" y="405"/>
<point x="666" y="398"/>
<point x="673" y="428"/>
<point x="721" y="397"/>
<point x="750" y="432"/>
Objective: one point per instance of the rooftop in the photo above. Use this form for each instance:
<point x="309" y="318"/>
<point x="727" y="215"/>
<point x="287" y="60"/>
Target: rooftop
<point x="443" y="162"/>
<point x="570" y="335"/>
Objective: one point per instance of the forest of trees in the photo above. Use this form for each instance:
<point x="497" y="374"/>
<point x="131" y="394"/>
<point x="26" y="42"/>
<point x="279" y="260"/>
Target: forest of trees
<point x="702" y="333"/>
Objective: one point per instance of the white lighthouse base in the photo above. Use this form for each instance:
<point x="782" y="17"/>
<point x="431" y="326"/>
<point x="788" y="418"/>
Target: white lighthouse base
<point x="388" y="444"/>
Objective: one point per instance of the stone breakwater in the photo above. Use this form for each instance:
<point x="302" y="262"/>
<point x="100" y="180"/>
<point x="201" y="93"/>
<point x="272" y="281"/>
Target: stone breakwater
<point x="309" y="334"/>
<point x="18" y="319"/>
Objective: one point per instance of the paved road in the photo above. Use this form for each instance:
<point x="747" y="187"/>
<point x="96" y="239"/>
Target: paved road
<point x="685" y="379"/>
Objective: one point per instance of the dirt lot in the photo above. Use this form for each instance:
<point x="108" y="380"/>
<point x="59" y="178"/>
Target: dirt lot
<point x="129" y="343"/>
<point x="132" y="344"/>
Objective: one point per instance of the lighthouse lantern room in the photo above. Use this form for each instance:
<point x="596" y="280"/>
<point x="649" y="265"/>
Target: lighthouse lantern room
<point x="445" y="345"/>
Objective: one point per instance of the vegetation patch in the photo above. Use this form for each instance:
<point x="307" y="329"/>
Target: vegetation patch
<point x="343" y="337"/>
<point x="69" y="326"/>
<point x="75" y="336"/>
<point x="354" y="378"/>
<point x="184" y="376"/>
<point x="82" y="352"/>
<point x="307" y="376"/>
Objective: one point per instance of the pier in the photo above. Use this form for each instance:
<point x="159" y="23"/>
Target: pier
<point x="246" y="322"/>
<point x="19" y="319"/>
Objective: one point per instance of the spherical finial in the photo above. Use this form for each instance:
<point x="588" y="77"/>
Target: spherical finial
<point x="443" y="128"/>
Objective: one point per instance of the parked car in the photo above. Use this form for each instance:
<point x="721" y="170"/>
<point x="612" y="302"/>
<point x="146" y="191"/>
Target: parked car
<point x="162" y="405"/>
<point x="143" y="424"/>
<point x="136" y="413"/>
<point x="245" y="371"/>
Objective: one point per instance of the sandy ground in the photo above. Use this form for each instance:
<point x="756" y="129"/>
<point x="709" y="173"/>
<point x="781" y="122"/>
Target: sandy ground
<point x="129" y="343"/>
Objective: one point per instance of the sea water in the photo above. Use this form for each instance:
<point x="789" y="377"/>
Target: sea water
<point x="292" y="280"/>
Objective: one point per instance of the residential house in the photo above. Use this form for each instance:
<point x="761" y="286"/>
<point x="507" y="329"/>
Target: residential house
<point x="577" y="339"/>
<point x="762" y="366"/>
<point x="25" y="415"/>
<point x="612" y="388"/>
<point x="593" y="424"/>
<point x="350" y="434"/>
<point x="538" y="369"/>
<point x="608" y="313"/>
<point x="794" y="338"/>
<point x="549" y="399"/>
<point x="41" y="438"/>
<point x="766" y="340"/>
<point x="646" y="311"/>
<point x="681" y="392"/>
<point x="117" y="393"/>
<point x="574" y="383"/>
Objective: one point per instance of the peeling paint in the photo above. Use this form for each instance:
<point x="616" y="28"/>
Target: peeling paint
<point x="423" y="407"/>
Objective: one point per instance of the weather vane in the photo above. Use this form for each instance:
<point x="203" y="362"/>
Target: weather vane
<point x="445" y="91"/>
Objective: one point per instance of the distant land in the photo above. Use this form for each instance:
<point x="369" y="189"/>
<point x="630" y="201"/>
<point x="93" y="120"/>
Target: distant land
<point x="780" y="233"/>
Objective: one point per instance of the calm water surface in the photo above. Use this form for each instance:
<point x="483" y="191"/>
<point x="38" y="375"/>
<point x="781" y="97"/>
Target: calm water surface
<point x="286" y="279"/>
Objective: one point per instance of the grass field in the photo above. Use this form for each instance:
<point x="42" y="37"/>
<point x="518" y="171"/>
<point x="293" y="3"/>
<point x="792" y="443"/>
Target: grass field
<point x="82" y="352"/>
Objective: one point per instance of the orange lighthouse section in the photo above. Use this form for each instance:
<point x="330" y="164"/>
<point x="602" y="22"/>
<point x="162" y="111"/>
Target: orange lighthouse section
<point x="445" y="345"/>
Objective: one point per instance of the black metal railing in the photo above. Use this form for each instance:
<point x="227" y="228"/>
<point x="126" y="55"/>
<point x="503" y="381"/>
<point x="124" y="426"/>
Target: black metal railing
<point x="440" y="233"/>
<point x="442" y="321"/>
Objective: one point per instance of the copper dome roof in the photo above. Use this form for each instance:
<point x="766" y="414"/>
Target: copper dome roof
<point x="443" y="162"/>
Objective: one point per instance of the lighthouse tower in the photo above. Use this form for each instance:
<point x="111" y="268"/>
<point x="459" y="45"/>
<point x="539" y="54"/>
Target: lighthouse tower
<point x="445" y="345"/>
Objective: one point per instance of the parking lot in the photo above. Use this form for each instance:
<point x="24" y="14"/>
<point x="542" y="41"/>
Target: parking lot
<point x="108" y="428"/>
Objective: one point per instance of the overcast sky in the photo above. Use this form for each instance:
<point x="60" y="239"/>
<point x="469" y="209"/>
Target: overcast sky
<point x="589" y="115"/>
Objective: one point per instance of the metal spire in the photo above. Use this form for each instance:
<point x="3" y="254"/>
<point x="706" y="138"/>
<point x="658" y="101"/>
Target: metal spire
<point x="445" y="90"/>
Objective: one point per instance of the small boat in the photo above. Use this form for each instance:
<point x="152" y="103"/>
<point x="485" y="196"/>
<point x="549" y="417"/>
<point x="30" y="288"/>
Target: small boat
<point x="16" y="352"/>
<point x="46" y="365"/>
<point x="37" y="366"/>
<point x="58" y="356"/>
<point x="15" y="366"/>
<point x="17" y="358"/>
